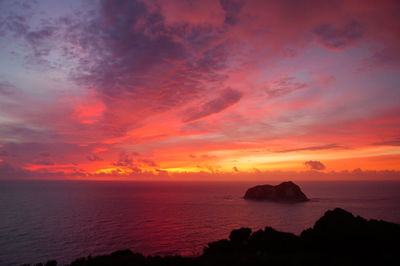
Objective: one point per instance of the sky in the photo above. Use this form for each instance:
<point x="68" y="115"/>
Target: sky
<point x="199" y="90"/>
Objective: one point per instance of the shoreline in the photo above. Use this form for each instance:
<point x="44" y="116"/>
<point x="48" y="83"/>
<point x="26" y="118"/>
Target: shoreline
<point x="337" y="238"/>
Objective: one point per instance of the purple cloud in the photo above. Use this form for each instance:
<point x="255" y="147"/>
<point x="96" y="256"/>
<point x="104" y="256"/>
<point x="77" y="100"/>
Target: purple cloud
<point x="284" y="86"/>
<point x="6" y="89"/>
<point x="94" y="158"/>
<point x="232" y="9"/>
<point x="315" y="148"/>
<point x="43" y="162"/>
<point x="227" y="98"/>
<point x="44" y="154"/>
<point x="148" y="162"/>
<point x="339" y="37"/>
<point x="315" y="165"/>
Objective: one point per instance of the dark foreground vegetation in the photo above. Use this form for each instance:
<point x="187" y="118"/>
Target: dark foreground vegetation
<point x="338" y="238"/>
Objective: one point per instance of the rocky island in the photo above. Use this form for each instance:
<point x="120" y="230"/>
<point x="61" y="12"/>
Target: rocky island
<point x="286" y="192"/>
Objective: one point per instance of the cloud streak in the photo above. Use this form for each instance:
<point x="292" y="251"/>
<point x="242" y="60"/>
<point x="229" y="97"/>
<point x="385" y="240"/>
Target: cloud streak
<point x="227" y="98"/>
<point x="315" y="148"/>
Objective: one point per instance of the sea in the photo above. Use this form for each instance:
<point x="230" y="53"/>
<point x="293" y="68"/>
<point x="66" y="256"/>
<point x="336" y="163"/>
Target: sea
<point x="66" y="220"/>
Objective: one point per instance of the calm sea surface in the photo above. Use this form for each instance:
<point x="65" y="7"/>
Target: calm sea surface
<point x="64" y="220"/>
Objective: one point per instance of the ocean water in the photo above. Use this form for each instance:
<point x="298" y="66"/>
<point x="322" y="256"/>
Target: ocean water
<point x="65" y="220"/>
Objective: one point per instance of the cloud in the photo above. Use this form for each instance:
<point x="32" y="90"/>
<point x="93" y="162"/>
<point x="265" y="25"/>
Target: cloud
<point x="23" y="154"/>
<point x="227" y="98"/>
<point x="140" y="63"/>
<point x="284" y="86"/>
<point x="235" y="169"/>
<point x="392" y="142"/>
<point x="192" y="13"/>
<point x="206" y="156"/>
<point x="43" y="162"/>
<point x="16" y="24"/>
<point x="339" y="37"/>
<point x="232" y="10"/>
<point x="44" y="33"/>
<point x="38" y="40"/>
<point x="127" y="160"/>
<point x="123" y="72"/>
<point x="15" y="132"/>
<point x="6" y="89"/>
<point x="148" y="162"/>
<point x="94" y="158"/>
<point x="315" y="148"/>
<point x="44" y="154"/>
<point x="315" y="165"/>
<point x="11" y="172"/>
<point x="124" y="160"/>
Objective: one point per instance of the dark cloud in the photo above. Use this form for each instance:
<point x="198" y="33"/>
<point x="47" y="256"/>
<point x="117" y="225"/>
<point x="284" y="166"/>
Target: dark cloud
<point x="211" y="61"/>
<point x="127" y="50"/>
<point x="130" y="160"/>
<point x="315" y="148"/>
<point x="6" y="89"/>
<point x="315" y="165"/>
<point x="138" y="63"/>
<point x="44" y="154"/>
<point x="339" y="37"/>
<point x="386" y="57"/>
<point x="147" y="162"/>
<point x="16" y="24"/>
<point x="17" y="133"/>
<point x="284" y="86"/>
<point x="37" y="36"/>
<point x="232" y="9"/>
<point x="227" y="98"/>
<point x="206" y="156"/>
<point x="235" y="169"/>
<point x="94" y="158"/>
<point x="124" y="160"/>
<point x="23" y="153"/>
<point x="43" y="162"/>
<point x="37" y="39"/>
<point x="8" y="171"/>
<point x="392" y="142"/>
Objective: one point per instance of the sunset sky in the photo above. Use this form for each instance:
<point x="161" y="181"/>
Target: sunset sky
<point x="206" y="89"/>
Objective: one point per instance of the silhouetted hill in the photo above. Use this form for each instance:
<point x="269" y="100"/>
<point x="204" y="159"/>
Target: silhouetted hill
<point x="286" y="191"/>
<point x="337" y="238"/>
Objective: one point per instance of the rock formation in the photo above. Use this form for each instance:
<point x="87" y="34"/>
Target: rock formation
<point x="286" y="191"/>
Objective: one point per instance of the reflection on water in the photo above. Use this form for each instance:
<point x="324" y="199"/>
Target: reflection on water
<point x="43" y="220"/>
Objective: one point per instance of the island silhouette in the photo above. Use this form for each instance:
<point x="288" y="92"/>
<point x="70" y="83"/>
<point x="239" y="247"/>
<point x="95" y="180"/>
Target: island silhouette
<point x="284" y="192"/>
<point x="337" y="238"/>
